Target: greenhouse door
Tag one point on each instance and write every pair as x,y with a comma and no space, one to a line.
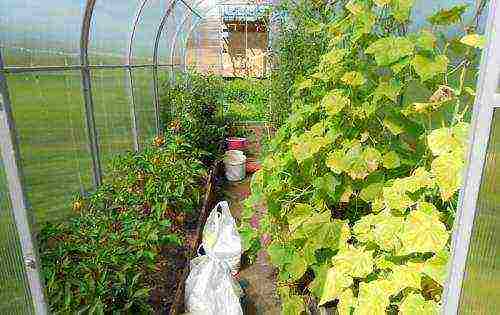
474,281
20,285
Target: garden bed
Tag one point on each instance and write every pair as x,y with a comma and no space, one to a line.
209,201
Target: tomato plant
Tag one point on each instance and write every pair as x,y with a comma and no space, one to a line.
361,181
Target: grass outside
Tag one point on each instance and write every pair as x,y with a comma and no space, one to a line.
50,120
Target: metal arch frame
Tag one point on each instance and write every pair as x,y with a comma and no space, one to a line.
156,63
487,101
87,92
175,38
156,88
10,153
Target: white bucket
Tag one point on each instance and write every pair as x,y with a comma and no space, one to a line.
235,164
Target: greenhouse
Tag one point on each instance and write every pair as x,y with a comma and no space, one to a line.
212,157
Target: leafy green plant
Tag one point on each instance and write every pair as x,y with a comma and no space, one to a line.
192,112
126,240
361,181
246,99
296,47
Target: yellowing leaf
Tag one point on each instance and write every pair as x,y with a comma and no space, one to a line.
335,283
353,78
386,230
371,192
337,161
447,169
390,89
301,213
426,40
355,262
390,49
346,195
335,56
427,68
391,160
305,84
373,297
307,145
395,197
382,3
347,302
358,168
334,102
363,228
355,7
448,16
423,233
437,267
297,267
401,9
443,141
393,126
406,277
418,180
415,304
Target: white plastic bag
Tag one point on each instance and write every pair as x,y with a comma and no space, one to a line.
210,287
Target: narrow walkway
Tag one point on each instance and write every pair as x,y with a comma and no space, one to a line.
261,276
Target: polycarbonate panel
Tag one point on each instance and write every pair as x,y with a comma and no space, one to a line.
481,285
111,25
142,46
111,95
143,96
40,33
15,296
49,115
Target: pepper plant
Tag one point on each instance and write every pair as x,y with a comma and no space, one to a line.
122,250
360,184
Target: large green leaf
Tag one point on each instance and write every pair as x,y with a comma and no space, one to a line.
426,40
390,89
292,305
448,16
297,267
402,9
428,68
334,102
300,213
390,49
353,78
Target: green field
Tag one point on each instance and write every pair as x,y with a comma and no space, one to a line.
50,119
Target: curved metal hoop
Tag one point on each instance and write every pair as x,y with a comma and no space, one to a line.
87,92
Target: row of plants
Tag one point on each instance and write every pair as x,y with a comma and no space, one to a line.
123,249
361,181
247,99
